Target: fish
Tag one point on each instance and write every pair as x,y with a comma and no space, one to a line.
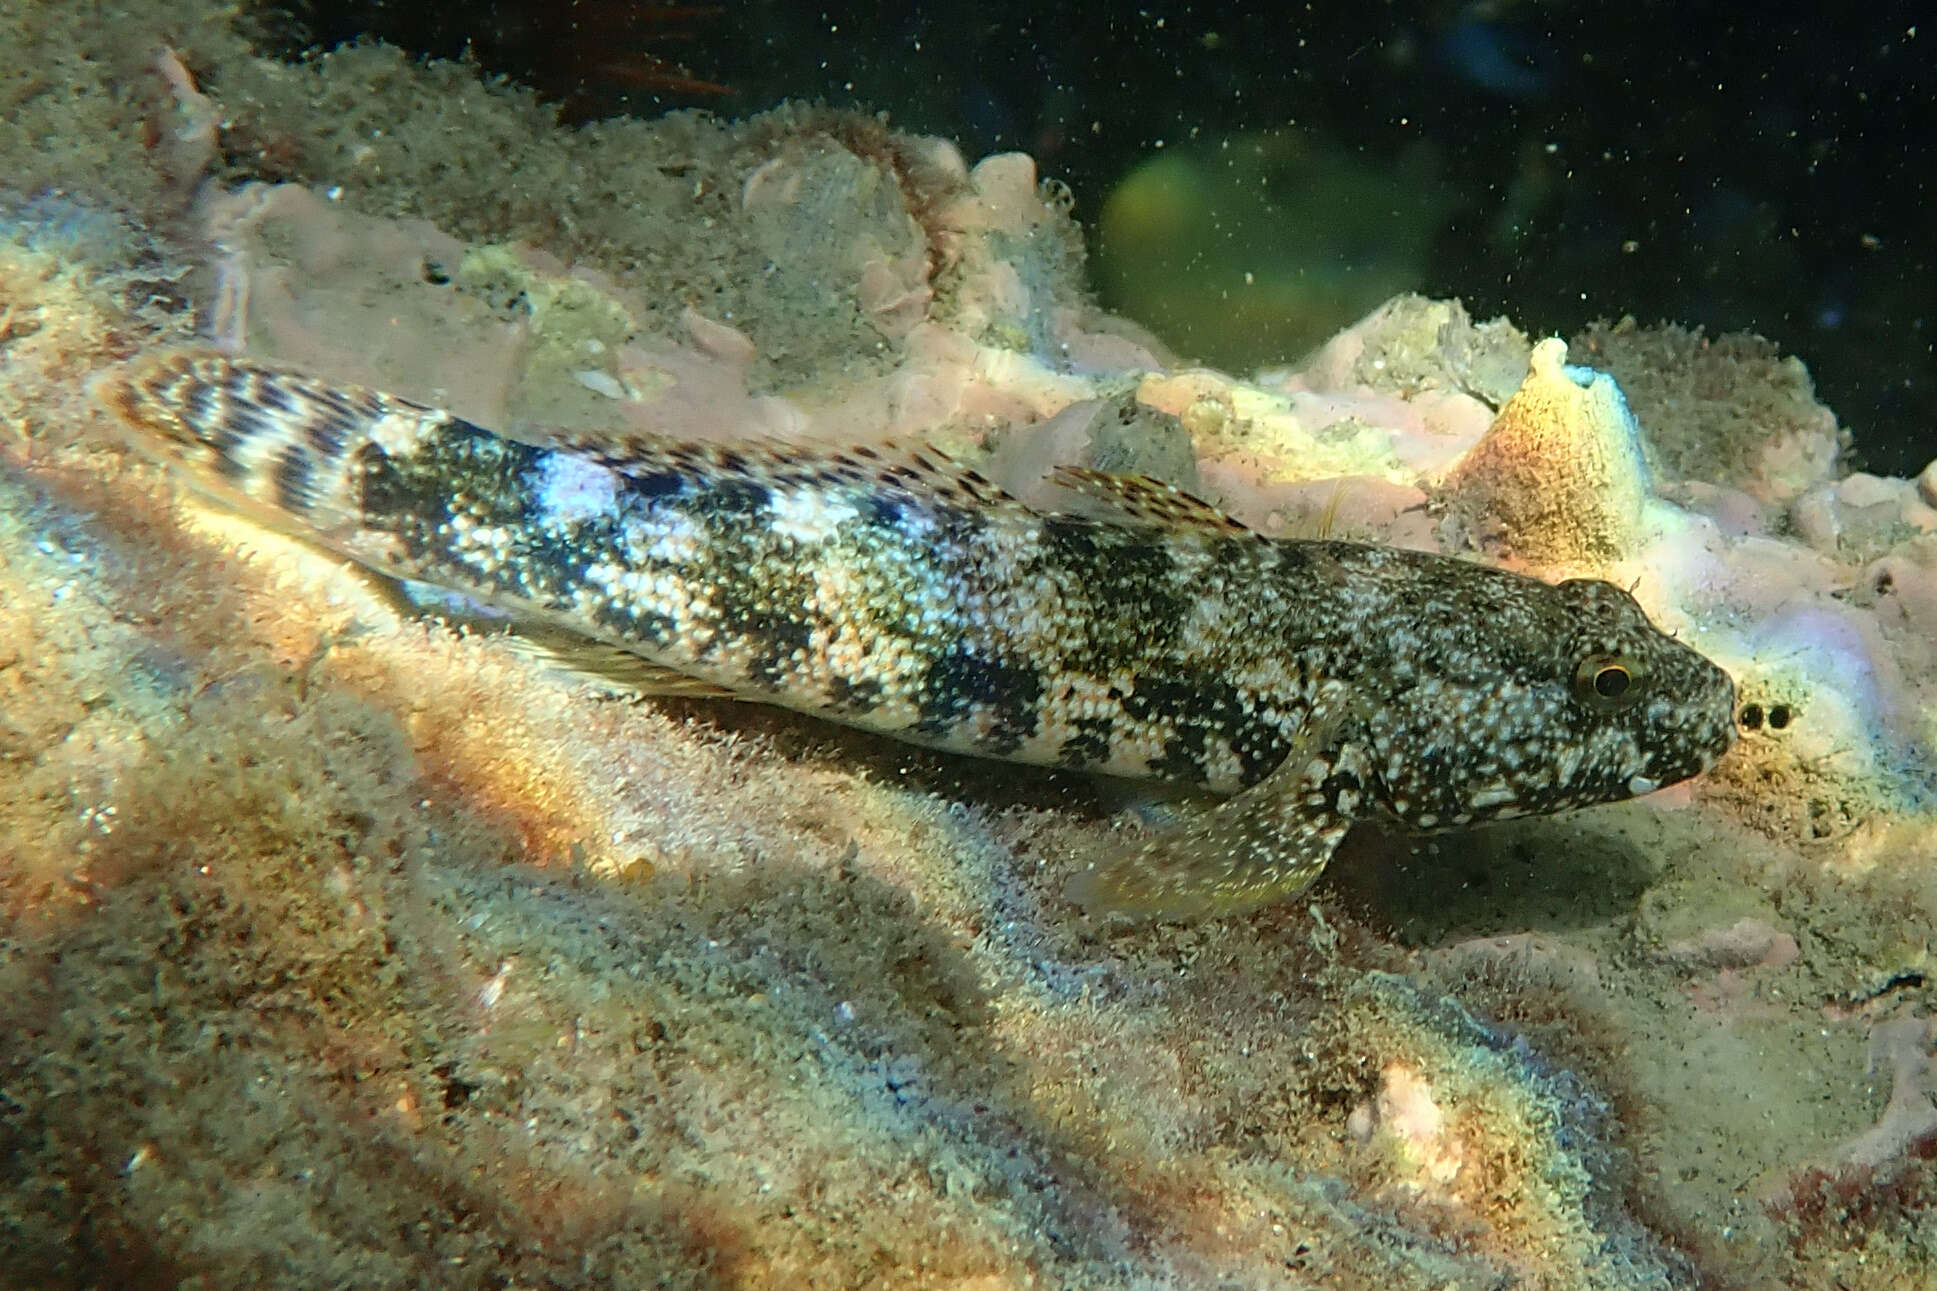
1302,685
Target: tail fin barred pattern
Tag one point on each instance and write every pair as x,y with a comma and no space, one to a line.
269,441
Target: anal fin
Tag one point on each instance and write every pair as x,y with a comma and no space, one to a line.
534,637
1261,845
608,665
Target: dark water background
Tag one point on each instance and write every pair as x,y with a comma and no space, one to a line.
1732,167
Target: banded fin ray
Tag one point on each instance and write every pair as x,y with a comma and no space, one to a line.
897,466
1143,501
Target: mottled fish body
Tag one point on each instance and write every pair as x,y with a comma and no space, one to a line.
1317,682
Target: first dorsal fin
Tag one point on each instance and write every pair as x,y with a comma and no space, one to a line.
1145,501
929,469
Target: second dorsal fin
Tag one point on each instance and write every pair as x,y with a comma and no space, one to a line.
1142,500
911,467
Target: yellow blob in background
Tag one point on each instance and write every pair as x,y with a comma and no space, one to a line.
1256,249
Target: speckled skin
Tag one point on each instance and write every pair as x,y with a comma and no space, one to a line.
1318,681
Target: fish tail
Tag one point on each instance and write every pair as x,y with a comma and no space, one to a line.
260,437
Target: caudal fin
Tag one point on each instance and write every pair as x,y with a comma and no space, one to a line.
269,441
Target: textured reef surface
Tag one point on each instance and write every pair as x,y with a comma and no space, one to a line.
343,946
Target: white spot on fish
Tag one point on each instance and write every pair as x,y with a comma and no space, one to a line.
399,434
807,517
673,537
572,490
1640,784
1490,795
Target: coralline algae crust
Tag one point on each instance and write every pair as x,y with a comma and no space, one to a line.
1560,471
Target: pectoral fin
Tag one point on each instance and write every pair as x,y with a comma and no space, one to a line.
1260,846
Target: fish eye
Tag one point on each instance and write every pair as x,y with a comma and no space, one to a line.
1609,683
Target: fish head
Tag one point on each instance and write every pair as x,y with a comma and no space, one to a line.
1564,696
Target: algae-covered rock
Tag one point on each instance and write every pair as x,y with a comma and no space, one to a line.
342,947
